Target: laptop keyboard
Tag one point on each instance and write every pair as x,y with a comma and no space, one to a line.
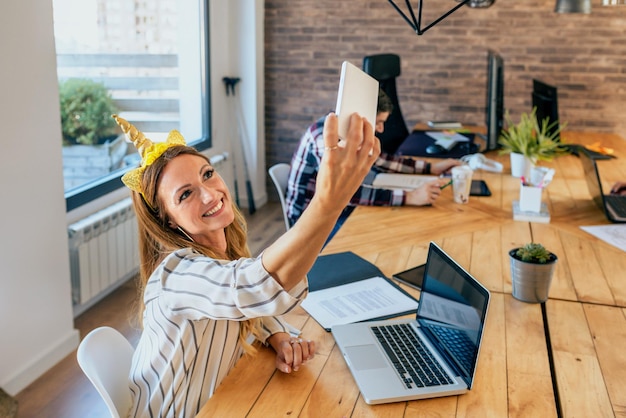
415,365
458,343
617,203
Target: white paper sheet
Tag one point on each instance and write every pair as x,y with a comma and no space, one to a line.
612,234
357,301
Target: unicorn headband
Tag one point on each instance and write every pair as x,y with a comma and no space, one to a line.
148,151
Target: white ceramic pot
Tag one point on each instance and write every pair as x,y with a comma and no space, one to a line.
521,165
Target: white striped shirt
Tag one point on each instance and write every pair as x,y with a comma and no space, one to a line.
190,340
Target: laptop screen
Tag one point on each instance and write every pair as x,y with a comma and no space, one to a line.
452,311
593,179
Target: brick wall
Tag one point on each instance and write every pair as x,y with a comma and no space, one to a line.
444,70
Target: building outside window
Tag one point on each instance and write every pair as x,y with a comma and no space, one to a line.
145,60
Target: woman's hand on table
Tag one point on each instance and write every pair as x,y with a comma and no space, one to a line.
291,352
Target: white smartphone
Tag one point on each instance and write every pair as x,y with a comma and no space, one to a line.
358,92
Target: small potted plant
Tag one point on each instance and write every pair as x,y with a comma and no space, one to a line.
529,141
532,268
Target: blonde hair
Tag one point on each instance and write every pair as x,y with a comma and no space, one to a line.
157,239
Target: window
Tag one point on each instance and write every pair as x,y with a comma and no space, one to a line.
151,61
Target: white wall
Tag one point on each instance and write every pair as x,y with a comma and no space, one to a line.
239,55
36,324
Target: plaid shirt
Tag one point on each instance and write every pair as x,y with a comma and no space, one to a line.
305,165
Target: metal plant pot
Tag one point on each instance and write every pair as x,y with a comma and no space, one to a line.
531,281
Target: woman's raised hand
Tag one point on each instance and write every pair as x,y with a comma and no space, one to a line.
344,165
345,162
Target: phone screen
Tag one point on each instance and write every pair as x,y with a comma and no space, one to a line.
479,188
412,277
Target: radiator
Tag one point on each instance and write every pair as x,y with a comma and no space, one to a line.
104,252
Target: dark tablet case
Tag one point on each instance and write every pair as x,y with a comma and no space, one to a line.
415,145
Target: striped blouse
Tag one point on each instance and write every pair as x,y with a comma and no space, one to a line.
190,340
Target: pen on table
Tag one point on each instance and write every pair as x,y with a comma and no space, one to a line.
445,185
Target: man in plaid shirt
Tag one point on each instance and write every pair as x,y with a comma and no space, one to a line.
306,161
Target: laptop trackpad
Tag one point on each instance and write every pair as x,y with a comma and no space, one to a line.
365,357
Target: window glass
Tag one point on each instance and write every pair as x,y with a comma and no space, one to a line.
146,61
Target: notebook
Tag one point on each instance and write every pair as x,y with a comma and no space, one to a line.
448,326
401,181
614,206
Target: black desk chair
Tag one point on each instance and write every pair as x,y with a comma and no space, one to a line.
385,68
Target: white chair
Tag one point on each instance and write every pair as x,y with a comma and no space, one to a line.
280,174
105,357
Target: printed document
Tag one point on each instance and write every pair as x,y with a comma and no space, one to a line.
612,234
358,301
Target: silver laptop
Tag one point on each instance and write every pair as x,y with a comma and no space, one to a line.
437,351
614,206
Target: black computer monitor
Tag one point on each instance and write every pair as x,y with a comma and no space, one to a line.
495,99
544,98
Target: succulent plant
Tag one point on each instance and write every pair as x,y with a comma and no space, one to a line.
534,253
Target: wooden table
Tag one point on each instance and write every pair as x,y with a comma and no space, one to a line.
561,358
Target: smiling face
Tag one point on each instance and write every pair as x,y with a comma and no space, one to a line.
196,199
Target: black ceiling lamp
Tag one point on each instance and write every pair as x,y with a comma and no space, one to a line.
416,22
573,6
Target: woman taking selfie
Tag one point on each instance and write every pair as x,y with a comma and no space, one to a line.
203,297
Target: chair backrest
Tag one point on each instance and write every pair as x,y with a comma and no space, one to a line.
105,356
386,68
279,174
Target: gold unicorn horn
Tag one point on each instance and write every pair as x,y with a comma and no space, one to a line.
148,151
134,135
